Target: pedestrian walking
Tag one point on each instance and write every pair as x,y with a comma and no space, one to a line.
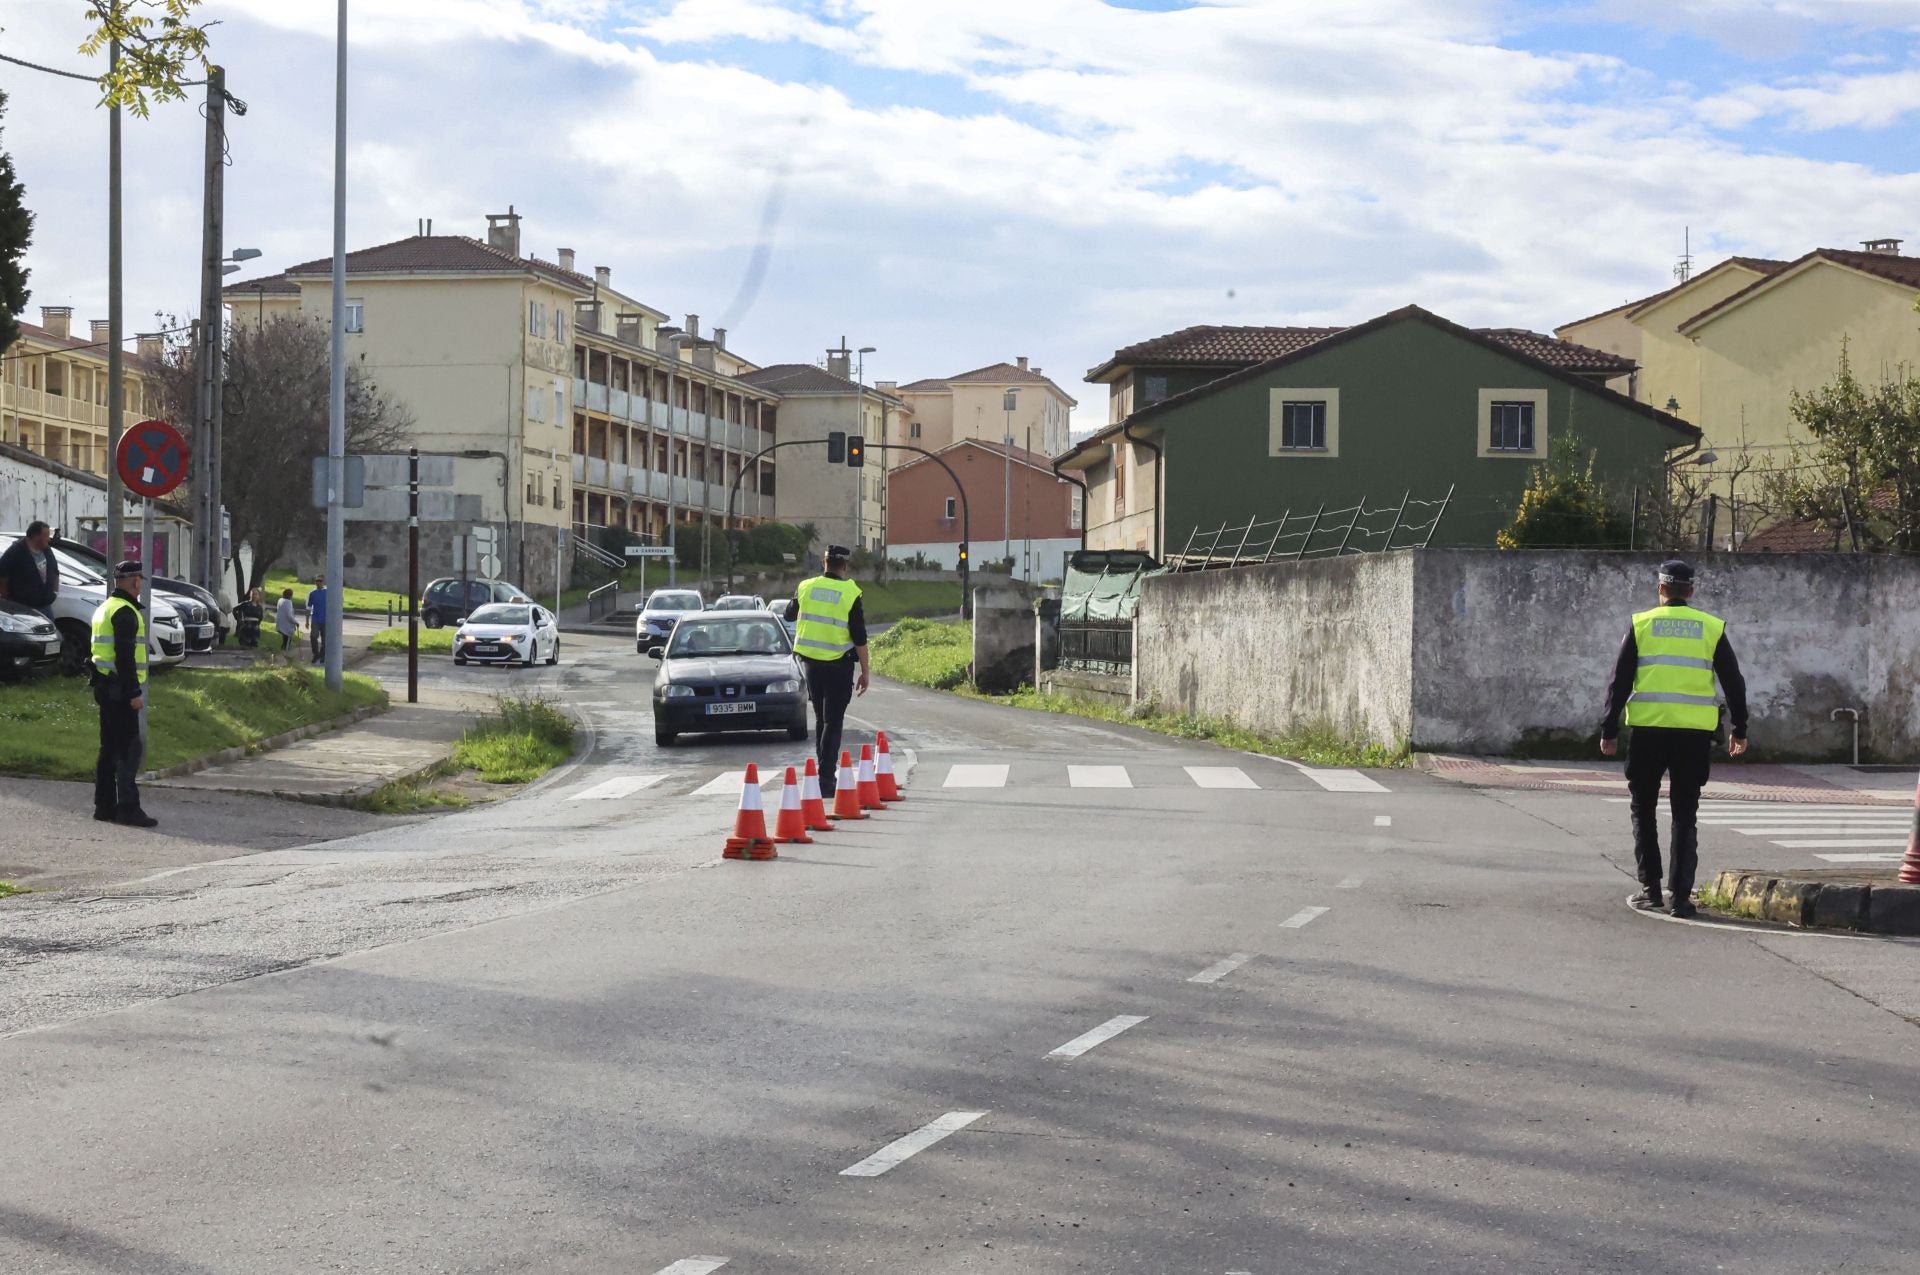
284,621
247,618
120,689
1663,684
28,573
830,636
317,619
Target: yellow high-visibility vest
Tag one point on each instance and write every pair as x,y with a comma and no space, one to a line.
1673,685
826,606
103,657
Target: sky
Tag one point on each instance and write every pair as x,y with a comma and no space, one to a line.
959,182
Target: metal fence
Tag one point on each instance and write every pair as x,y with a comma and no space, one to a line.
1324,533
1096,647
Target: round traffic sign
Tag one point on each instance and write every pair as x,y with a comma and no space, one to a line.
152,459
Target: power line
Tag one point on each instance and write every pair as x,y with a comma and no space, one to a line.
235,104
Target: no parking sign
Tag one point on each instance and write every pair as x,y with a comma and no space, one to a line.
152,459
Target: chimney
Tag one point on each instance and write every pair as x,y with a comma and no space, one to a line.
57,319
151,345
720,337
1883,247
102,329
886,387
693,326
503,231
603,275
840,363
629,327
1023,362
566,258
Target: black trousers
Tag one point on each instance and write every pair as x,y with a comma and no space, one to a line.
830,688
121,752
1685,758
317,640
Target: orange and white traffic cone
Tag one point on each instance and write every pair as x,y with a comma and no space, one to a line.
868,784
813,807
846,791
792,824
1910,866
750,839
883,773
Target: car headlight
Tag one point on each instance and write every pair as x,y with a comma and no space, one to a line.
11,623
784,688
671,691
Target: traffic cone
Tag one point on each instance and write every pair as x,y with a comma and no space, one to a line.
846,791
868,784
883,773
1910,866
792,824
813,807
750,839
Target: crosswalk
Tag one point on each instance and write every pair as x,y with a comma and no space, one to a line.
1833,833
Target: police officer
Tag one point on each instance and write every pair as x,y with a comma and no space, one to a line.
830,635
120,689
1663,680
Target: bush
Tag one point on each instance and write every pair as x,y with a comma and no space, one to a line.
520,741
932,653
1564,506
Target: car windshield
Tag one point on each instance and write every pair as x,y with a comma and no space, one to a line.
674,602
500,615
701,638
77,571
736,603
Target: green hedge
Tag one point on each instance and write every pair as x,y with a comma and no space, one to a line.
933,653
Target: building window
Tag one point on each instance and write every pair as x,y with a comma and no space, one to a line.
534,400
1510,428
913,430
559,404
536,319
950,510
560,325
1073,508
1152,390
1303,427
356,315
556,493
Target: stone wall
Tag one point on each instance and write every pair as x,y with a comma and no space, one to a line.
1002,636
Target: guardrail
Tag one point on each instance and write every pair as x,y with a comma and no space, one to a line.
603,601
1099,648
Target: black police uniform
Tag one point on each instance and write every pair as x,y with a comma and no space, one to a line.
830,690
116,794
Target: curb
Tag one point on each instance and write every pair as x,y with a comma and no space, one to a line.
268,745
1862,907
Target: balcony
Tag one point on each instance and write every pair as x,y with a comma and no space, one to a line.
620,404
765,505
579,469
680,491
579,391
596,396
596,472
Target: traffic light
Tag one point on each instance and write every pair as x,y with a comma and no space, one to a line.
856,451
837,447
963,553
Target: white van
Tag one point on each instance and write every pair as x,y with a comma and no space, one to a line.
82,590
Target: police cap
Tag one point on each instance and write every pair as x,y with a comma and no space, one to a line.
838,553
1674,571
128,570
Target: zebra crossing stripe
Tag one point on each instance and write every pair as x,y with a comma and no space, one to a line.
1343,780
964,776
614,789
1894,857
1219,777
1098,777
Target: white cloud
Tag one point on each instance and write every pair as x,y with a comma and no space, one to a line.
1835,101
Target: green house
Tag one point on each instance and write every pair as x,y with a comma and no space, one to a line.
1408,407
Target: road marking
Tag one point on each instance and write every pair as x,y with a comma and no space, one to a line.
613,789
1220,969
1220,777
902,1149
1894,857
1383,821
1723,806
694,1266
1837,829
1104,1032
731,782
1351,883
1845,843
976,777
1302,917
1344,781
1098,777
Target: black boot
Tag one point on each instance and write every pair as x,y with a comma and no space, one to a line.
1648,900
134,817
103,813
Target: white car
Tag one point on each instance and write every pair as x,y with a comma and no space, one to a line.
507,633
82,590
737,602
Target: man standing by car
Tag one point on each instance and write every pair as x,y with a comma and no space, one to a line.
1663,680
317,619
120,689
28,573
830,635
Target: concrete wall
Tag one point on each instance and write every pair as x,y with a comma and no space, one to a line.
1284,647
1002,636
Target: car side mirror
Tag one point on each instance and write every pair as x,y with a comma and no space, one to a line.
656,653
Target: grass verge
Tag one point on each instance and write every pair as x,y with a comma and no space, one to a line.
50,727
1710,896
931,653
432,641
413,796
9,888
519,742
374,601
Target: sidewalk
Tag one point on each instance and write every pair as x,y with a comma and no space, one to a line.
1732,780
341,765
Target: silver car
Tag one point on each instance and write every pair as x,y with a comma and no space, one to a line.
660,612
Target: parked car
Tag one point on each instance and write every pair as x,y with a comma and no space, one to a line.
503,632
206,622
658,614
82,590
443,603
728,671
779,609
738,602
28,640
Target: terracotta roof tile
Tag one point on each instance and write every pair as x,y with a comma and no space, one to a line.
277,285
443,254
930,385
1210,345
82,345
991,374
804,378
1798,535
1759,265
1892,267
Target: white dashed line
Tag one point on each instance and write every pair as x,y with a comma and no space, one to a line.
1344,781
977,777
1845,843
1220,777
694,1266
902,1149
1351,883
1302,917
726,785
1098,777
614,789
1383,821
1893,856
1104,1032
1220,969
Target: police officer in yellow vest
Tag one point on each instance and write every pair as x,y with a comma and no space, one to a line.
1663,680
830,635
120,688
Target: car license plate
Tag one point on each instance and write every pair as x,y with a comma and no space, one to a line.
486,648
716,710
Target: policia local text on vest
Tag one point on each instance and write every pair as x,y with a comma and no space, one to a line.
120,689
830,636
1663,685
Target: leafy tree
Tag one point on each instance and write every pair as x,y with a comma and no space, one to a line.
1859,465
16,233
159,45
1564,506
275,416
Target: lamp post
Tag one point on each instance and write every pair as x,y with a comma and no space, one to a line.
337,387
674,339
860,427
1008,401
209,562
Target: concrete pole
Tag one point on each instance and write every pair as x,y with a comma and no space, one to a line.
673,508
205,570
337,389
116,390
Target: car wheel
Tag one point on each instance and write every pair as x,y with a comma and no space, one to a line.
664,738
460,659
553,654
797,730
431,618
76,647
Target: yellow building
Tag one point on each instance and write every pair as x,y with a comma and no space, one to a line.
847,506
53,394
942,411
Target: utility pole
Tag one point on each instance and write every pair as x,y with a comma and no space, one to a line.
205,570
116,390
337,389
1006,500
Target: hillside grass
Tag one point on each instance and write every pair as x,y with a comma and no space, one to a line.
521,740
432,641
365,601
930,653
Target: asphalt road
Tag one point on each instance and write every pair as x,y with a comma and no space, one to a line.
1096,1011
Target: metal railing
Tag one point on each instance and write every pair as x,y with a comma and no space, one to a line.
603,601
1096,647
1325,533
